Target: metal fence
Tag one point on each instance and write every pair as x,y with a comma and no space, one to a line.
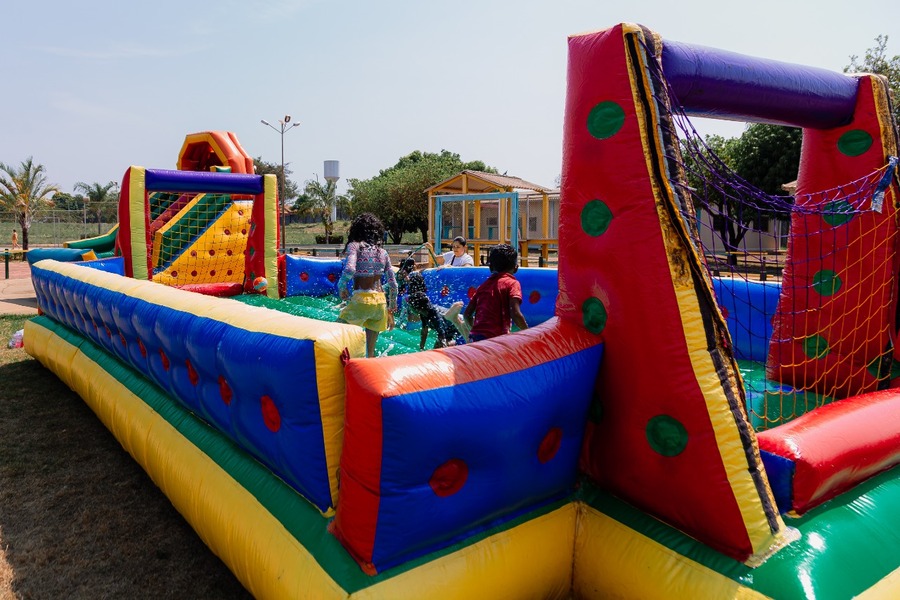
53,227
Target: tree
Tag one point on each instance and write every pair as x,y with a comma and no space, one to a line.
320,199
877,61
291,189
98,196
765,156
24,191
397,195
68,202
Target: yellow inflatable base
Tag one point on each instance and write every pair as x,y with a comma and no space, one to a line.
530,560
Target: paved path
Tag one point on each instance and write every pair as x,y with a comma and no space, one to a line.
16,293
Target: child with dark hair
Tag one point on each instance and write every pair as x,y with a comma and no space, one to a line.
407,266
445,322
367,264
498,301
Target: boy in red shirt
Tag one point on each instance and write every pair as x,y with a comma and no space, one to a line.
497,301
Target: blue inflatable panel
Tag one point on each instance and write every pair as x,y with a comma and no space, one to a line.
232,377
458,284
749,307
114,264
311,276
61,254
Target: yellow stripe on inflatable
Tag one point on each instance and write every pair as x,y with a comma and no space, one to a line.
250,318
885,589
137,215
270,185
531,560
728,438
332,397
534,557
261,553
615,561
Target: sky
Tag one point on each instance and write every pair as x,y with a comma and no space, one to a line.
92,87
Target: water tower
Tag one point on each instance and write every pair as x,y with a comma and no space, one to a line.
332,174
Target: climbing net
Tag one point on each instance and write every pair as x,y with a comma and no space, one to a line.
807,281
198,238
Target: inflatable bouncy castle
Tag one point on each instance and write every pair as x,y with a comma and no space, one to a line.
667,427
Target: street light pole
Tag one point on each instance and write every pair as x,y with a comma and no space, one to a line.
285,126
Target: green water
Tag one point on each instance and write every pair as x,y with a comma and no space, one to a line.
770,403
403,339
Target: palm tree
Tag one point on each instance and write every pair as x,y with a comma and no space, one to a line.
25,192
320,199
98,195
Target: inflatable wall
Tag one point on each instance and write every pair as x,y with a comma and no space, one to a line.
606,452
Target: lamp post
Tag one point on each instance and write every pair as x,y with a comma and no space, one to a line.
285,126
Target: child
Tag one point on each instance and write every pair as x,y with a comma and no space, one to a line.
367,263
440,319
498,300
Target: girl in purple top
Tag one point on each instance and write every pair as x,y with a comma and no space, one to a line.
367,264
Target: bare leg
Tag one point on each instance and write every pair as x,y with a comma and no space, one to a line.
454,317
371,338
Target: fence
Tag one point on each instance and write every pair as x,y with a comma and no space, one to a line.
53,227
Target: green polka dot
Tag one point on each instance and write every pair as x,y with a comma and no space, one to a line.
837,212
884,367
854,142
595,217
594,314
666,435
605,120
815,346
826,283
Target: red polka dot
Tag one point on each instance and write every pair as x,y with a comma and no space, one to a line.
550,445
445,291
212,252
534,297
228,253
449,478
174,273
193,273
228,272
241,213
304,276
192,372
270,414
165,359
212,273
193,253
224,390
227,232
332,277
243,232
471,293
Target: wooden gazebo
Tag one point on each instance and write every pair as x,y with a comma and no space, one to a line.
490,209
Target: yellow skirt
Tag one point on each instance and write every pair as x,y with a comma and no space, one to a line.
366,308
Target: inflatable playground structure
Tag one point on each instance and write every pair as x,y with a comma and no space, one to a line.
656,432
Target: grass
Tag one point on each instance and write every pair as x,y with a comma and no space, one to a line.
78,517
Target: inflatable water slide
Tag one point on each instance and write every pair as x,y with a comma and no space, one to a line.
607,451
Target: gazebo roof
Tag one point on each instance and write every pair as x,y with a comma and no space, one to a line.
479,182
